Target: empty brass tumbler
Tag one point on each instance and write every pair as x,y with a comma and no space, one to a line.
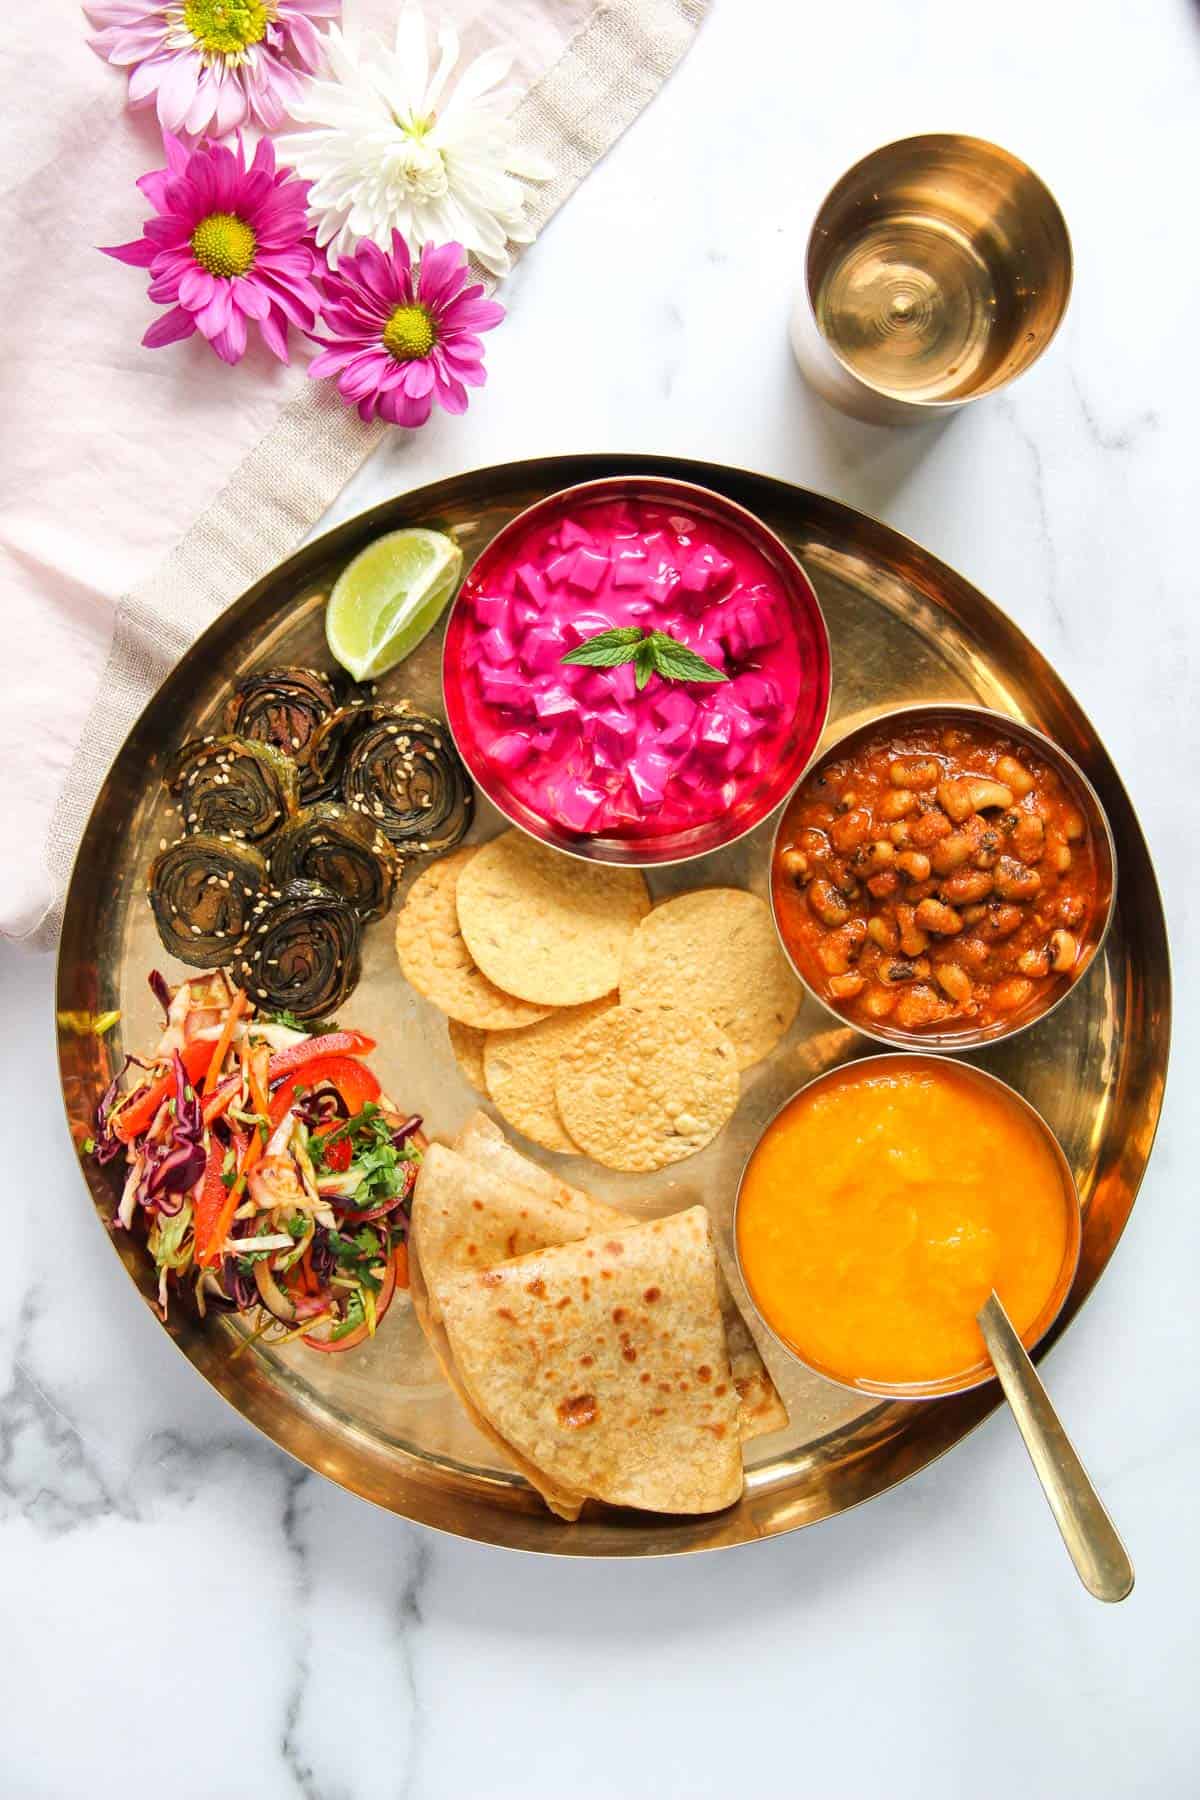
938,268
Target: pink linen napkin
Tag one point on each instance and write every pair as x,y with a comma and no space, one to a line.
111,451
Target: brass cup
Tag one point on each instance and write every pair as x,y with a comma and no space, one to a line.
938,268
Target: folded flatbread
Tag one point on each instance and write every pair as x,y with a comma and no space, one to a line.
481,1141
602,1364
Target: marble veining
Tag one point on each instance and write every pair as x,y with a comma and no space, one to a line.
188,1612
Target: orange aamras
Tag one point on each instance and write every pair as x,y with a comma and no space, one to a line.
882,1207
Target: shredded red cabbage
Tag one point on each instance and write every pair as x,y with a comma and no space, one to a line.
241,1289
173,1168
161,992
403,1132
324,1262
108,1144
320,1107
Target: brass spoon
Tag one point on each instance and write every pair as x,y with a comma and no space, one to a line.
1101,1559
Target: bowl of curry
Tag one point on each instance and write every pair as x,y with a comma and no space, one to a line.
884,1203
942,877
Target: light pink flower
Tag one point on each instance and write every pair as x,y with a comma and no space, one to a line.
212,65
396,345
228,244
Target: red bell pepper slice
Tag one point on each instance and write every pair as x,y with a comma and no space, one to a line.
286,1062
353,1081
133,1119
334,1043
210,1205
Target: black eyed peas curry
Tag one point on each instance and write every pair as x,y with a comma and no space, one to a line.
936,880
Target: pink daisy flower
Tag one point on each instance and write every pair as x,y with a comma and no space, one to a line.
228,244
211,65
398,344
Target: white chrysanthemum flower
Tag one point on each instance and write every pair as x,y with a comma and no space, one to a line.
389,149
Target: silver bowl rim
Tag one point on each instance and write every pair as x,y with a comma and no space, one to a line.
941,1043
756,528
980,1373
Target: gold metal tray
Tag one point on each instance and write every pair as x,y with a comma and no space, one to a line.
904,627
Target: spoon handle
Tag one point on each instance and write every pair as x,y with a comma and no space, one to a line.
1100,1558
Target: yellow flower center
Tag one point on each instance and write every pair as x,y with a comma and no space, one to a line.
223,244
227,27
409,334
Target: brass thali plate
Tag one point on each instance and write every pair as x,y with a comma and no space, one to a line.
380,1420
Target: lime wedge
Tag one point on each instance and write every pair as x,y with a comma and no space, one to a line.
389,598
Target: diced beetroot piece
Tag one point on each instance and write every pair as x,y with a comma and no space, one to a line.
528,581
709,647
757,619
505,687
629,568
471,653
554,702
715,731
696,775
525,614
544,741
733,638
579,805
543,647
510,751
734,757
624,681
746,726
680,525
674,707
649,771
616,733
497,646
675,736
593,685
569,533
587,622
694,577
758,692
493,609
660,587
589,571
560,569
624,806
721,578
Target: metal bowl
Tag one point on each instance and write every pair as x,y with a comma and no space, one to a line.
978,1373
961,1037
807,725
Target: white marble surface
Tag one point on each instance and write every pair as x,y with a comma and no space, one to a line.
189,1613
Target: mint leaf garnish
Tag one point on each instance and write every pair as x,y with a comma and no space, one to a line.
608,649
651,653
676,662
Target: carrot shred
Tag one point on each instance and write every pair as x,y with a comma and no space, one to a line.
237,1007
401,1256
